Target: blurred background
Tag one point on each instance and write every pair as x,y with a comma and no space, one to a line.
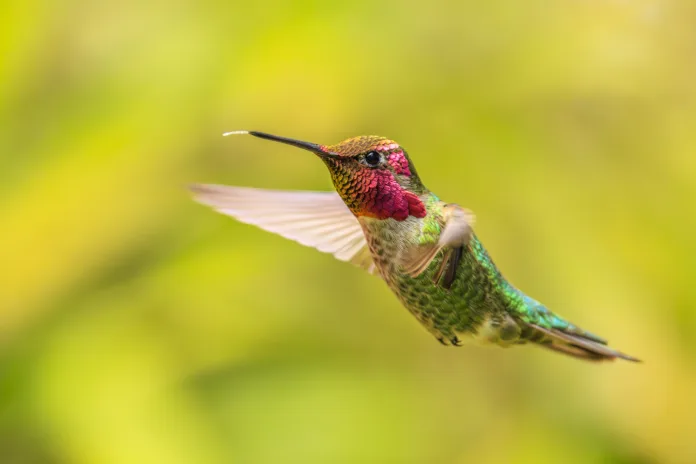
139,327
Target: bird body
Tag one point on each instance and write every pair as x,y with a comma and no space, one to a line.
476,296
385,220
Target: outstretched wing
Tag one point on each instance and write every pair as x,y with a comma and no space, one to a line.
317,219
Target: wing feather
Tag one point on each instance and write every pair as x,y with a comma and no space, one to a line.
317,219
456,232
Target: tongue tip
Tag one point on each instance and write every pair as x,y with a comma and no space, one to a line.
239,132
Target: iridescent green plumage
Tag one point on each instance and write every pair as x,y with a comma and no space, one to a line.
387,221
480,302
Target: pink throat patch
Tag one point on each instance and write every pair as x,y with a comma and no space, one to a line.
383,198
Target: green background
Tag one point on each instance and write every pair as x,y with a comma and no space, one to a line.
139,327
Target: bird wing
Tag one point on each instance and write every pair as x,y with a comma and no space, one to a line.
457,231
317,219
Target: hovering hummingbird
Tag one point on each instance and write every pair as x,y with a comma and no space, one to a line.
385,220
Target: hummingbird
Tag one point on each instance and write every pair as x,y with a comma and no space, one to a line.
383,219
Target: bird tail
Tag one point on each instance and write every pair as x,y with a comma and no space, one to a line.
582,347
546,329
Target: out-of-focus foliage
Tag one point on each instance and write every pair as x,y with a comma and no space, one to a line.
139,327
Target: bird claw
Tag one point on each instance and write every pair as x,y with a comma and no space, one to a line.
454,341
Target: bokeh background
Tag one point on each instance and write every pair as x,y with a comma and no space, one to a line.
139,327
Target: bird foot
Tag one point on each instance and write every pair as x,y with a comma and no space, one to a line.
454,341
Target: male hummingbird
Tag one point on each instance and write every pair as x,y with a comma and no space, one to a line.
385,220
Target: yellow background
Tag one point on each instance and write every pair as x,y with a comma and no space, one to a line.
139,327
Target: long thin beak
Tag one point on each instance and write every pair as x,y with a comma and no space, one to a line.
313,147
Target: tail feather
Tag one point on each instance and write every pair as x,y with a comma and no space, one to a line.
576,345
575,352
547,329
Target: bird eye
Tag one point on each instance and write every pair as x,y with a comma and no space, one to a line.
373,159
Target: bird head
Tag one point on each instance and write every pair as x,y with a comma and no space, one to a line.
373,175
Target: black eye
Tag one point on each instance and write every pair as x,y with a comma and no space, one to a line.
373,159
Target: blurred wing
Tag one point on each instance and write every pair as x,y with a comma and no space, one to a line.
317,219
458,228
456,232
